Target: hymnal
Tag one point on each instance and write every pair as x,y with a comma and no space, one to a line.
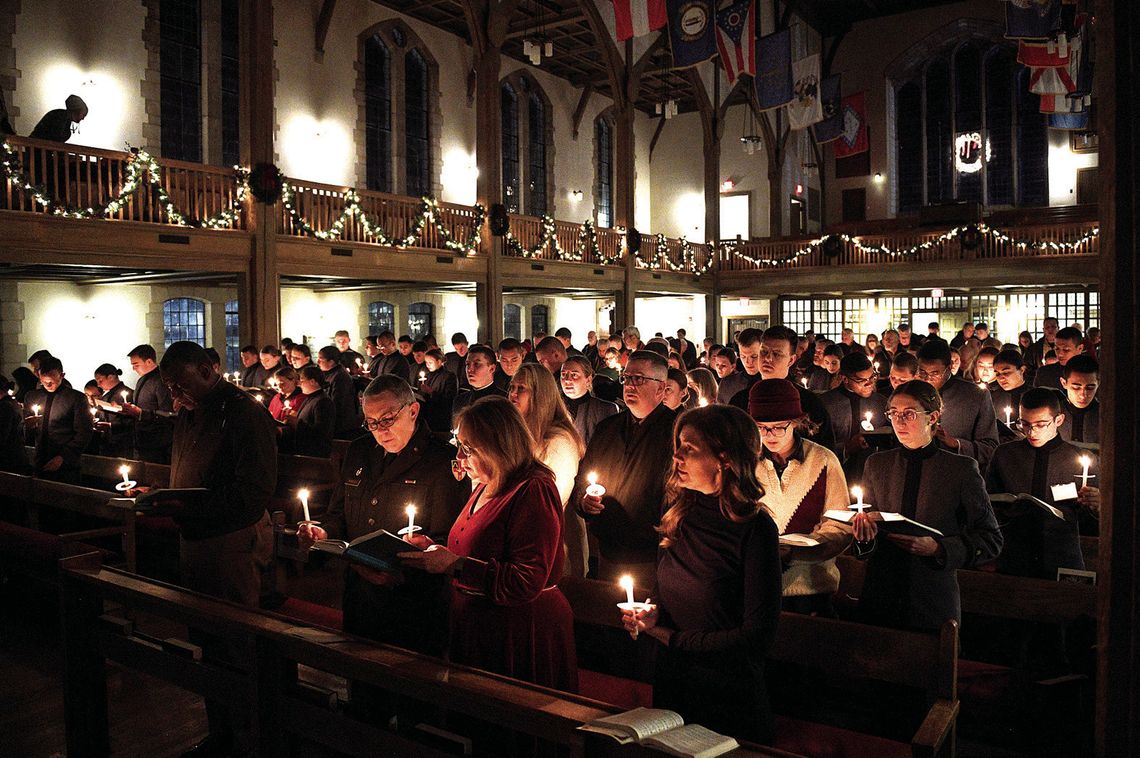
891,523
798,540
375,550
663,730
1022,497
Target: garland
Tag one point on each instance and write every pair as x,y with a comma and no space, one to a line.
688,257
429,211
141,169
733,248
587,242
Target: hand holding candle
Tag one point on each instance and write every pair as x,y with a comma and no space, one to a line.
411,528
36,411
703,402
595,489
1008,414
629,606
857,491
423,376
126,484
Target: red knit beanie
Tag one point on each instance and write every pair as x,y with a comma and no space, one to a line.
774,400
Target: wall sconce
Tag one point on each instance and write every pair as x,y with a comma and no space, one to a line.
879,179
576,195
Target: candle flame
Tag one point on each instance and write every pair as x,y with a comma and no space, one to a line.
592,477
35,409
1085,461
867,415
303,495
703,402
124,470
410,510
857,491
626,582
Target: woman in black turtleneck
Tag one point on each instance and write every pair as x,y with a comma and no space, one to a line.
910,581
718,579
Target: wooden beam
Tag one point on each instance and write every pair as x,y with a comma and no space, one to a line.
583,101
829,56
533,27
656,135
323,22
605,42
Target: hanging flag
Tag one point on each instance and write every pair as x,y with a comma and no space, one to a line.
1032,19
692,31
805,108
1081,62
831,101
1063,104
1049,65
853,139
736,38
1073,122
774,70
636,18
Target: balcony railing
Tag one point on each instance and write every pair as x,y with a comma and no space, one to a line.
84,182
546,239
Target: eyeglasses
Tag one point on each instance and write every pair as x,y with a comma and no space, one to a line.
925,375
778,431
636,380
1037,426
571,376
866,382
464,449
384,423
906,416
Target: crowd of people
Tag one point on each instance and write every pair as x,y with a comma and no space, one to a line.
702,471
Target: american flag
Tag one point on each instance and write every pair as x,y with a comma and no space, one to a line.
736,38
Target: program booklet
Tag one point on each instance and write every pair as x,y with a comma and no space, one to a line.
891,523
376,550
663,730
1022,497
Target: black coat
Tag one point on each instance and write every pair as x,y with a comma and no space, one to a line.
393,364
1081,424
968,414
342,391
255,376
846,410
64,430
120,440
13,453
587,412
439,390
312,434
153,432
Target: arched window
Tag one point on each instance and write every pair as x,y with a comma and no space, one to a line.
180,84
510,119
183,318
908,105
939,134
421,318
512,321
417,141
604,170
381,318
231,84
233,336
539,320
1032,146
536,157
377,114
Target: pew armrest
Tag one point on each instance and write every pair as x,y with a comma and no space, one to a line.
936,728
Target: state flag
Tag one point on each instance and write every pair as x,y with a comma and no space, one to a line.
736,38
853,140
692,31
806,108
831,102
636,18
774,70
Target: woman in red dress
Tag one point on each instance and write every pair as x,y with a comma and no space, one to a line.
504,554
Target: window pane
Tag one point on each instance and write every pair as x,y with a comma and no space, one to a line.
181,79
420,320
231,75
796,314
1032,145
510,118
968,111
999,126
233,336
512,321
908,129
536,163
381,318
939,136
539,320
603,142
183,318
417,141
377,115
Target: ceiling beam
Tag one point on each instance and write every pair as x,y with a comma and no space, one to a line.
323,22
149,277
583,101
532,26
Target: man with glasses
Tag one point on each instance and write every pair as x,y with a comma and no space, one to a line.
631,453
1037,543
770,355
1080,379
1068,344
399,463
968,425
479,368
847,406
587,411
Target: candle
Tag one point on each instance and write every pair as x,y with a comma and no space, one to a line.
124,395
35,410
125,471
857,491
703,402
595,489
1008,414
804,382
303,496
867,425
423,376
126,484
411,513
626,583
982,385
1085,461
259,397
288,405
94,412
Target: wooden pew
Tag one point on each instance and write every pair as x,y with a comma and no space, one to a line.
268,683
844,651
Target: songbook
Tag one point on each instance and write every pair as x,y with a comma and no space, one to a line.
891,523
164,502
664,730
1086,445
103,405
798,540
1024,497
376,550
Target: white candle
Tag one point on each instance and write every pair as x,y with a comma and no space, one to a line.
288,406
94,412
1085,461
124,395
423,376
703,402
867,425
857,491
35,410
804,382
411,512
125,471
303,496
595,489
626,583
1008,414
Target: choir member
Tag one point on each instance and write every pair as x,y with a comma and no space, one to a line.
825,376
152,409
702,384
718,579
552,354
301,355
271,360
349,358
252,372
504,555
479,366
911,581
630,454
586,410
119,442
387,359
1035,355
13,453
852,407
1080,379
801,480
731,380
223,442
902,369
404,346
438,386
311,426
289,391
1068,343
984,367
677,396
456,359
510,354
967,422
1010,384
963,335
1036,543
342,391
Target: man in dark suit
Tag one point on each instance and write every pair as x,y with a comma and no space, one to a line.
387,358
152,409
341,390
64,425
968,424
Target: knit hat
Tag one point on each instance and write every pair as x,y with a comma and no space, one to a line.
774,400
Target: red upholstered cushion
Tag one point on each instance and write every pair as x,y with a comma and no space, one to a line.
822,741
625,693
311,613
982,686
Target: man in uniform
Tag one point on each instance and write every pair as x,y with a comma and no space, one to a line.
64,425
152,408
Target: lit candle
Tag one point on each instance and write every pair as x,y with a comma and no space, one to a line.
982,385
1008,414
35,410
303,496
596,490
804,382
626,583
411,513
867,425
288,405
126,484
94,412
125,471
11,393
857,491
703,402
1085,461
259,397
423,376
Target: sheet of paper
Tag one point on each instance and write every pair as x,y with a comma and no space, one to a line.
1067,491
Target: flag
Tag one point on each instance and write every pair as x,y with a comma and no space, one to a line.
1063,104
1049,65
736,38
805,108
774,70
831,100
1073,122
1032,19
853,139
1081,59
636,18
692,31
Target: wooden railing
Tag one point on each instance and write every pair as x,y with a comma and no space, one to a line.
84,180
529,233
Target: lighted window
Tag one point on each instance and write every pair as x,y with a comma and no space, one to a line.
381,318
603,144
512,321
233,336
539,320
421,320
180,82
183,318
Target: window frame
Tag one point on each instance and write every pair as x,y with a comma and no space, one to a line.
422,313
381,318
183,318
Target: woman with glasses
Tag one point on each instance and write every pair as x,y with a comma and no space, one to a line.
911,581
504,555
577,378
801,480
309,430
718,578
559,447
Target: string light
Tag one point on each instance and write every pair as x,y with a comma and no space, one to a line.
587,243
688,263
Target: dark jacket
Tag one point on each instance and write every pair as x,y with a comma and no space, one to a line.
846,410
120,440
313,433
255,376
468,397
65,429
1081,424
153,432
457,365
54,126
349,359
439,398
968,414
227,445
13,453
393,364
342,391
587,412
1049,376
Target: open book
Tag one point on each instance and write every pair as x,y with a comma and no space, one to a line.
798,540
103,405
376,550
1022,497
890,523
663,730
